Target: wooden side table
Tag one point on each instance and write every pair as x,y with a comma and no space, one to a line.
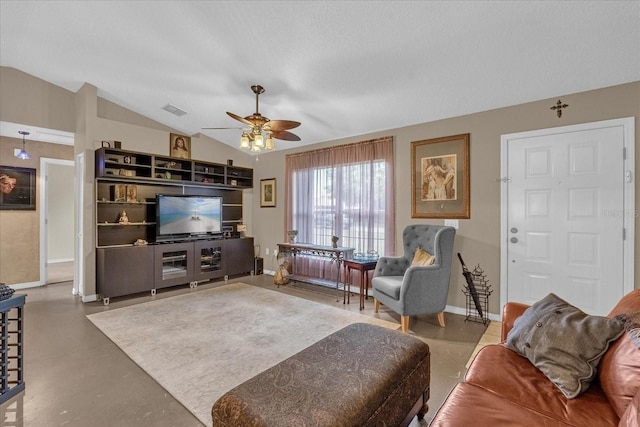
363,266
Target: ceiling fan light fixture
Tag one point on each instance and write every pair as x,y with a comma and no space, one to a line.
258,140
259,131
269,145
244,141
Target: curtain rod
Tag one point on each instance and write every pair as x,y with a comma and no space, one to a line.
320,150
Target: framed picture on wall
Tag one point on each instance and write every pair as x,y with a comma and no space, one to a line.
440,178
268,193
17,188
179,146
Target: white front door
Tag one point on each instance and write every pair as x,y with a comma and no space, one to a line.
565,215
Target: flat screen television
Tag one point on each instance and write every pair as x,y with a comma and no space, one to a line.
180,217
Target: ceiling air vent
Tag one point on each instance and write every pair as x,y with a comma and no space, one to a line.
174,110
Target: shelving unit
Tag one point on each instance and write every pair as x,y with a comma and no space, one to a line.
113,162
127,183
11,349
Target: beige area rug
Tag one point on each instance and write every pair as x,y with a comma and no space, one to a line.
202,344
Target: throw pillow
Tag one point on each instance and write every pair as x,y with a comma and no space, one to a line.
563,342
422,258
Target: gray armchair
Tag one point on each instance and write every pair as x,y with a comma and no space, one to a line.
416,290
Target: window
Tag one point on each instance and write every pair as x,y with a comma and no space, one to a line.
346,191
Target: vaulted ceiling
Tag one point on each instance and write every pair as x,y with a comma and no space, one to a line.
340,68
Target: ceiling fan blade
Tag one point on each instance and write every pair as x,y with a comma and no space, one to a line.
226,128
277,125
240,119
285,135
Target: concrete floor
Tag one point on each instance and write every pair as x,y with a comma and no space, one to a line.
75,376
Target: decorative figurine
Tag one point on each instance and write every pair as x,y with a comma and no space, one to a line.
124,219
334,241
292,236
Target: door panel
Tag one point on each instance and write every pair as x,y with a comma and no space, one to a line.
559,238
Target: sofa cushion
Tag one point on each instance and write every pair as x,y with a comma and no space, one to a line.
631,417
619,369
565,343
422,258
504,372
470,405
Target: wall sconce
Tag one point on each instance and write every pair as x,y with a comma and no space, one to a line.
23,154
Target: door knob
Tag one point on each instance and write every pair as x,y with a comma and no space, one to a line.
514,230
514,240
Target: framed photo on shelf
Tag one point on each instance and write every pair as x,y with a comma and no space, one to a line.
268,193
440,181
132,193
119,193
17,188
179,146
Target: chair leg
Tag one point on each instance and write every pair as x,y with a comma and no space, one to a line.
376,305
441,318
404,322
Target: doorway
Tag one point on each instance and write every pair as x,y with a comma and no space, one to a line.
57,221
568,213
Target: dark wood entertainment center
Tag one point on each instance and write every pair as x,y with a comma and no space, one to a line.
128,181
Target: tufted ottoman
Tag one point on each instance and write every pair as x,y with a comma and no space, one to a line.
361,375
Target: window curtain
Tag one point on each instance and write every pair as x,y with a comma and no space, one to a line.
345,191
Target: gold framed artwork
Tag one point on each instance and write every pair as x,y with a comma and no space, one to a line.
268,193
179,146
440,181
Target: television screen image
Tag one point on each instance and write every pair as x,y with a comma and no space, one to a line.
188,215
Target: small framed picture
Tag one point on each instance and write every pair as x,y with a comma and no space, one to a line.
132,193
268,193
127,159
180,146
119,193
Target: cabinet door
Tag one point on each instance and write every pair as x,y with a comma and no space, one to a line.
124,271
173,264
239,256
209,260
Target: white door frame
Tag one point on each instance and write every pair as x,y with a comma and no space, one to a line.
44,192
78,279
629,212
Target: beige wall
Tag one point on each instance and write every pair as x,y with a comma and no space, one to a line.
478,238
27,100
20,230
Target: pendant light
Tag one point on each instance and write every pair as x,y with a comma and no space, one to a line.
23,154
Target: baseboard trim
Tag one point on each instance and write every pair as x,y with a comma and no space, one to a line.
59,260
26,285
89,298
449,308
463,312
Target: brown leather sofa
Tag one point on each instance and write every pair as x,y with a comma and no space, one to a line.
502,388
